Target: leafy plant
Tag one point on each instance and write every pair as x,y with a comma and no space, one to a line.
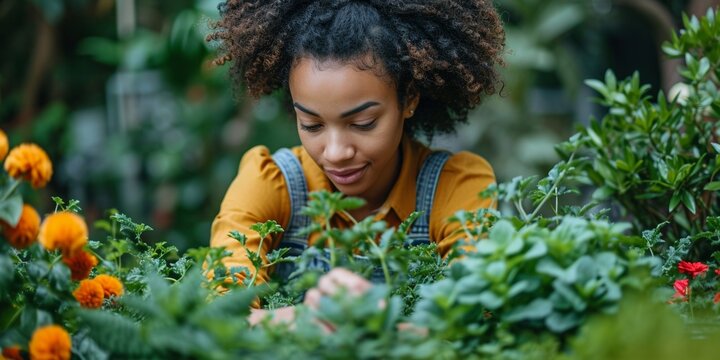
659,160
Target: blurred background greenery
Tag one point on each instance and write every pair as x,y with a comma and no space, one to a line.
123,96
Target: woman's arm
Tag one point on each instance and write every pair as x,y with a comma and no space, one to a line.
257,194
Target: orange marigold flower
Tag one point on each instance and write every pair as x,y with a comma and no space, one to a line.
26,230
4,145
110,284
66,231
31,163
50,342
89,294
80,264
12,352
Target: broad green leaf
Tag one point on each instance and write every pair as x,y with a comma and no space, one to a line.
559,322
674,201
537,250
716,146
689,201
502,232
537,309
490,300
496,270
712,186
7,274
11,209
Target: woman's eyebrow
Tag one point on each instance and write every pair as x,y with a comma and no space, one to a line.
343,115
359,108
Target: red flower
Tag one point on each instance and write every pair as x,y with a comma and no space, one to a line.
692,268
717,271
681,288
716,299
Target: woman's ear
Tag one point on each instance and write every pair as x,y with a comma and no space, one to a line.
412,99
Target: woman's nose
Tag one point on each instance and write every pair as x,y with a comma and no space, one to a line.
338,149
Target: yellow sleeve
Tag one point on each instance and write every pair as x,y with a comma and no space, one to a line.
464,176
257,194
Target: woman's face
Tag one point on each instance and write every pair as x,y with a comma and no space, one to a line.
351,124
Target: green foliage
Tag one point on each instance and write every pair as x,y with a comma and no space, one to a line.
551,280
11,200
533,280
658,160
72,205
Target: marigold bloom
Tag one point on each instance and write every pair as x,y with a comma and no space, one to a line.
11,352
26,230
89,294
80,264
716,299
110,284
50,342
66,231
31,163
692,268
681,288
4,145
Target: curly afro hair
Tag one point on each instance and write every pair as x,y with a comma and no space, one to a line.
445,51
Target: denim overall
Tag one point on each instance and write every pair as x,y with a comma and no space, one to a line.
297,187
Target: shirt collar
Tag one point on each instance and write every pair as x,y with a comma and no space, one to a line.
401,198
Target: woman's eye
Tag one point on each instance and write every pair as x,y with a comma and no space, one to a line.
310,128
366,126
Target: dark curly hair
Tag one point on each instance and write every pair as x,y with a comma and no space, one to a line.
446,51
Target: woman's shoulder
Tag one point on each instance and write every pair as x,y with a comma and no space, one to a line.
463,177
259,158
466,162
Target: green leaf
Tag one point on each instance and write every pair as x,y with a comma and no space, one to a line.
490,300
11,209
594,137
537,250
238,236
559,322
502,232
712,186
7,274
674,201
266,228
597,85
118,335
537,309
716,146
689,201
350,203
496,270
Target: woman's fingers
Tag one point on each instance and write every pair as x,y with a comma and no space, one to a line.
312,298
339,278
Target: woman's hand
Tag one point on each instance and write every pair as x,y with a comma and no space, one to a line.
332,282
284,315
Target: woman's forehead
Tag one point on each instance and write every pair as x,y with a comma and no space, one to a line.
336,86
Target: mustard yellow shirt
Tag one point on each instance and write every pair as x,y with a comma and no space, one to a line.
259,193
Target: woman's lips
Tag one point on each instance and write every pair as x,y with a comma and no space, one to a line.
346,177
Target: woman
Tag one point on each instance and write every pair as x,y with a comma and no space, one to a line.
365,78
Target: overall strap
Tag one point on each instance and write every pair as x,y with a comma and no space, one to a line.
425,194
297,188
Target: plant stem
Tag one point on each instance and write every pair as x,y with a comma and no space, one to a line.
13,317
518,206
257,269
547,196
331,241
380,253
